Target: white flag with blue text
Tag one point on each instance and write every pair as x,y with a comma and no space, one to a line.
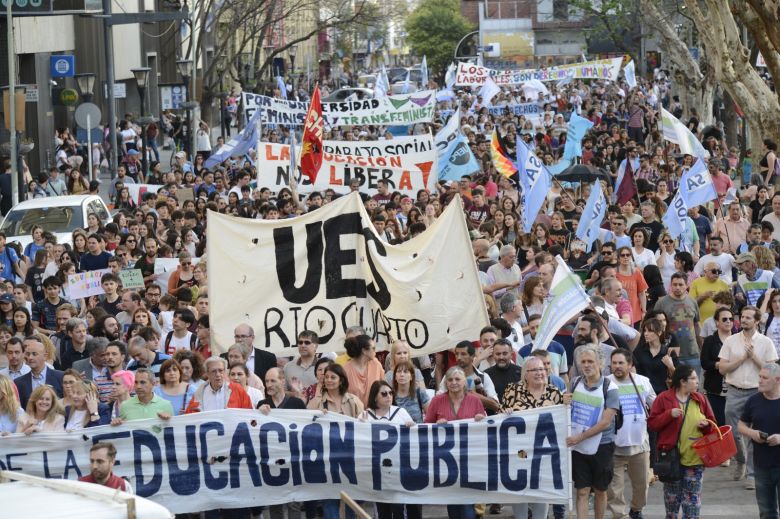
536,181
592,216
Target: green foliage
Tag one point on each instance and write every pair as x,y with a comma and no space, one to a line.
435,27
612,20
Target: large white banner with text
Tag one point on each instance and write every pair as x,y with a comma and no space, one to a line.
239,458
406,163
469,74
328,270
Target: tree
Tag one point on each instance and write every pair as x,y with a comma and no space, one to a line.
230,28
615,20
728,51
694,82
435,27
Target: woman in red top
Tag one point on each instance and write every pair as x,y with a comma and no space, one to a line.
455,404
633,283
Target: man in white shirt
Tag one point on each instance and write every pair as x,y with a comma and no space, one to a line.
741,358
724,260
632,443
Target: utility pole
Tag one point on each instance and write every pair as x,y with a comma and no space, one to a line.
12,101
108,45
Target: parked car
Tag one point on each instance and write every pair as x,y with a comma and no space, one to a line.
60,215
398,84
343,93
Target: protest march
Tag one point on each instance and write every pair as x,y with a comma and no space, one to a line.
536,289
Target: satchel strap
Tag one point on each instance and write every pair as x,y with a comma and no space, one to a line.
683,418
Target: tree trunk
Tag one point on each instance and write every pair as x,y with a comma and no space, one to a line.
731,62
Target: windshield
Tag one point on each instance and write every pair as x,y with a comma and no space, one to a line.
52,219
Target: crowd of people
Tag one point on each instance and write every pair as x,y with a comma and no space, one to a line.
681,336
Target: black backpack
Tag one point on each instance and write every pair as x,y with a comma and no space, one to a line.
605,389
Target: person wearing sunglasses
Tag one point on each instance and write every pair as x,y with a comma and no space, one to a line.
724,260
703,288
301,372
714,385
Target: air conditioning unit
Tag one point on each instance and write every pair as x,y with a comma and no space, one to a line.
492,50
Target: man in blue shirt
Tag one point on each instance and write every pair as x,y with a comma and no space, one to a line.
95,258
9,260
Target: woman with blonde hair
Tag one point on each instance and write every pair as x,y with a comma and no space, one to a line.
400,352
86,410
10,410
44,413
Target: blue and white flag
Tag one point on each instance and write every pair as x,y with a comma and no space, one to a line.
592,216
696,187
536,182
212,15
630,74
281,86
424,73
449,77
406,83
675,216
382,85
568,299
455,158
577,128
238,145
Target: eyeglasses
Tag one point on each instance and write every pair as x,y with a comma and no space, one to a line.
304,342
605,252
715,271
726,319
185,263
668,241
121,255
386,393
625,255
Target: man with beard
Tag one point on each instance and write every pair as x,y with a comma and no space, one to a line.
114,358
632,444
146,263
102,456
106,326
504,371
588,332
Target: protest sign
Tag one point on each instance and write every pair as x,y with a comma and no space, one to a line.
530,110
400,109
137,191
402,145
407,173
327,270
86,284
469,74
131,278
240,458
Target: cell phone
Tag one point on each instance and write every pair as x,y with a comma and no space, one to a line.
763,435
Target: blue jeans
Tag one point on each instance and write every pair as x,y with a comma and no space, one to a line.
461,512
767,492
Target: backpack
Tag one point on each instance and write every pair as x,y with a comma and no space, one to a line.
605,389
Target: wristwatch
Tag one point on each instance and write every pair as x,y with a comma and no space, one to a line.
96,416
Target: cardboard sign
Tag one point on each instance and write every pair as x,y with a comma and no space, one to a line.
86,284
132,278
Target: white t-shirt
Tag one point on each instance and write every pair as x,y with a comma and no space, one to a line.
178,343
633,434
644,259
724,260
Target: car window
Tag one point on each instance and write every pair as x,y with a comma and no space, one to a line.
52,219
99,209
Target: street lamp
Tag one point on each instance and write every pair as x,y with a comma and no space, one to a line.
86,84
291,52
141,78
185,69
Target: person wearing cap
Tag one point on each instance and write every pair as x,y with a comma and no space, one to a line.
752,282
132,162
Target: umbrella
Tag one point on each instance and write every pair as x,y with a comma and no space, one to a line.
583,173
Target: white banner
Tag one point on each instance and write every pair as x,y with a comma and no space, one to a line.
327,270
407,173
239,458
470,74
137,191
396,110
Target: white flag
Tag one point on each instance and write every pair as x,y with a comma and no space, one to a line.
488,91
568,300
675,131
630,74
